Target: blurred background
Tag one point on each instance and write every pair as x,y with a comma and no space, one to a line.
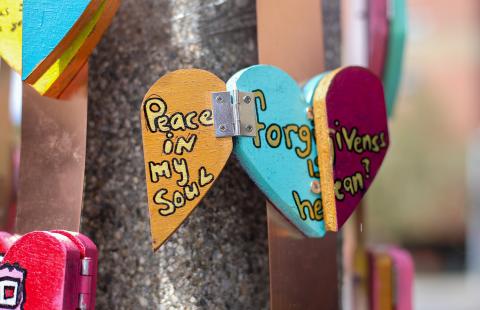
427,195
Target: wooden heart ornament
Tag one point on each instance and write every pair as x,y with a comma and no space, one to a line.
49,270
395,51
183,157
352,137
48,29
58,44
282,158
377,35
11,33
36,266
345,135
403,276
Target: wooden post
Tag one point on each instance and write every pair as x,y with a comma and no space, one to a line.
218,259
6,144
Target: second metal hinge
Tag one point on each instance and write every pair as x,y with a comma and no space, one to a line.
234,114
86,273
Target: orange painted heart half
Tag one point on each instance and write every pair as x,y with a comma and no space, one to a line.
183,157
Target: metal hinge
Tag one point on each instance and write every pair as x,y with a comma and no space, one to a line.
234,114
86,273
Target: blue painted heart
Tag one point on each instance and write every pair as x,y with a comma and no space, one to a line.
282,158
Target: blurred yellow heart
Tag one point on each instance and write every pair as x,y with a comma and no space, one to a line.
11,33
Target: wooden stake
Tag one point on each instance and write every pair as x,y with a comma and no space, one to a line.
303,272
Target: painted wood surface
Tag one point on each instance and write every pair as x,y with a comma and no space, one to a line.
42,270
88,250
360,264
64,69
281,160
352,134
381,280
403,275
396,49
39,263
48,28
377,35
11,33
182,156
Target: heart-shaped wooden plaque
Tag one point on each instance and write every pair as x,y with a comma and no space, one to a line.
281,159
352,134
183,157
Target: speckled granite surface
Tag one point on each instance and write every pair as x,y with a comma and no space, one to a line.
218,259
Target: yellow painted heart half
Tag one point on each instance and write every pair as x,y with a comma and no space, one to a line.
11,33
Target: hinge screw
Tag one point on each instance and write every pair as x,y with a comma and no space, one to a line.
249,128
219,99
315,187
247,99
222,127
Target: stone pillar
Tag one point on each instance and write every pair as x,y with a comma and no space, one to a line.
218,259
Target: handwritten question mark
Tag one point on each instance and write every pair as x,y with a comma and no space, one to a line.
366,165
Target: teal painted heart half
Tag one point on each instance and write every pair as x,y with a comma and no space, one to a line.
282,158
396,49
